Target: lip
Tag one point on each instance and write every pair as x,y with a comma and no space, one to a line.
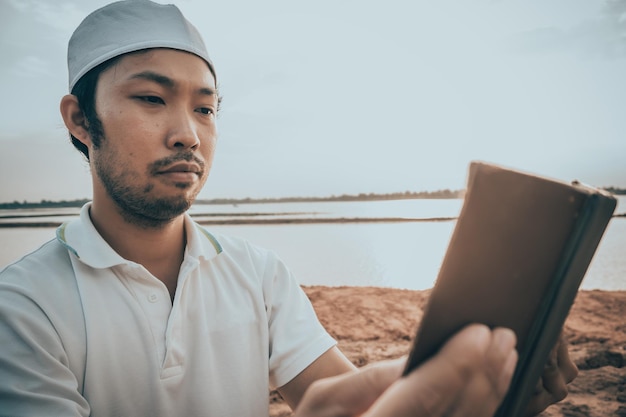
181,173
182,168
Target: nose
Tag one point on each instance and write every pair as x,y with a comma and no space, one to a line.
183,132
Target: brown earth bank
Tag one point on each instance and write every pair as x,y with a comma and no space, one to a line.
373,324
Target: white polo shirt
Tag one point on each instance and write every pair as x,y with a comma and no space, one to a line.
86,332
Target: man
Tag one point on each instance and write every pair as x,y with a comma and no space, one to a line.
136,310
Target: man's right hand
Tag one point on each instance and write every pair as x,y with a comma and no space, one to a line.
468,377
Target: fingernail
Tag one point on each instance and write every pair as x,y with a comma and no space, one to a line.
504,340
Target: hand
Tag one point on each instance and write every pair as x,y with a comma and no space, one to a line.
552,387
468,377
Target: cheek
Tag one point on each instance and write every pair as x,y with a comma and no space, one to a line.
209,152
128,125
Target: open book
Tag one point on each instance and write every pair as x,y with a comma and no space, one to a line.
516,259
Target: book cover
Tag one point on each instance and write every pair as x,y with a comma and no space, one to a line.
516,258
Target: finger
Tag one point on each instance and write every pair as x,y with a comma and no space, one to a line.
351,393
501,359
552,378
491,383
565,363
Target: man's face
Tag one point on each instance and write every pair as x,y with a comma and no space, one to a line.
158,110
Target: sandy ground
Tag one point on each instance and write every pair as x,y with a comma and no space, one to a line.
373,324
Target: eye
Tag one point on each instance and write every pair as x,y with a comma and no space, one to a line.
205,110
151,99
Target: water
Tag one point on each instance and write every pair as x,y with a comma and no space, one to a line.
390,254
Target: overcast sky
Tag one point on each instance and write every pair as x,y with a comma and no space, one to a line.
333,96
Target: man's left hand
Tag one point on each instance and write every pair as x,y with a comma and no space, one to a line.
552,387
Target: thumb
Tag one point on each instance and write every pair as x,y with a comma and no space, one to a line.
349,394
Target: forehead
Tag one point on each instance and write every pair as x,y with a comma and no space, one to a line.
179,66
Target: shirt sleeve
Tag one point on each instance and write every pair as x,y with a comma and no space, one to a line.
35,378
297,338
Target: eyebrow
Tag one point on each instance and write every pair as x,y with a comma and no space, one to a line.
167,82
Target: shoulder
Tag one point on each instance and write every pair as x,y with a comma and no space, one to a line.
38,267
42,282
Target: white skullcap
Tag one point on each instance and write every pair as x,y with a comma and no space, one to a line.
128,26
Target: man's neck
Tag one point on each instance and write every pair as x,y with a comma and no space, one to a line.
159,249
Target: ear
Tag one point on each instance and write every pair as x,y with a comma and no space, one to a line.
74,119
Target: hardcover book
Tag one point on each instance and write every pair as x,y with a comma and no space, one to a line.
516,258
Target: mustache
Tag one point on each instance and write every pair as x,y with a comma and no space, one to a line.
186,156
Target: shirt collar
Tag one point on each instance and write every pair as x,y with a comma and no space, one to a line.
200,243
81,238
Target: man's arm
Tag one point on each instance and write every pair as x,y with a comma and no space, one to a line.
329,364
468,377
35,377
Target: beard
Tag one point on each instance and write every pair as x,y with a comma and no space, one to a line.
136,203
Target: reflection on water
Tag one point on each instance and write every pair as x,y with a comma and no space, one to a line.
388,209
401,255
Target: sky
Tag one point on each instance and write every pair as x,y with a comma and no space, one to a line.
352,96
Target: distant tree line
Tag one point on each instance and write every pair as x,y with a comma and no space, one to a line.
616,191
44,204
406,195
